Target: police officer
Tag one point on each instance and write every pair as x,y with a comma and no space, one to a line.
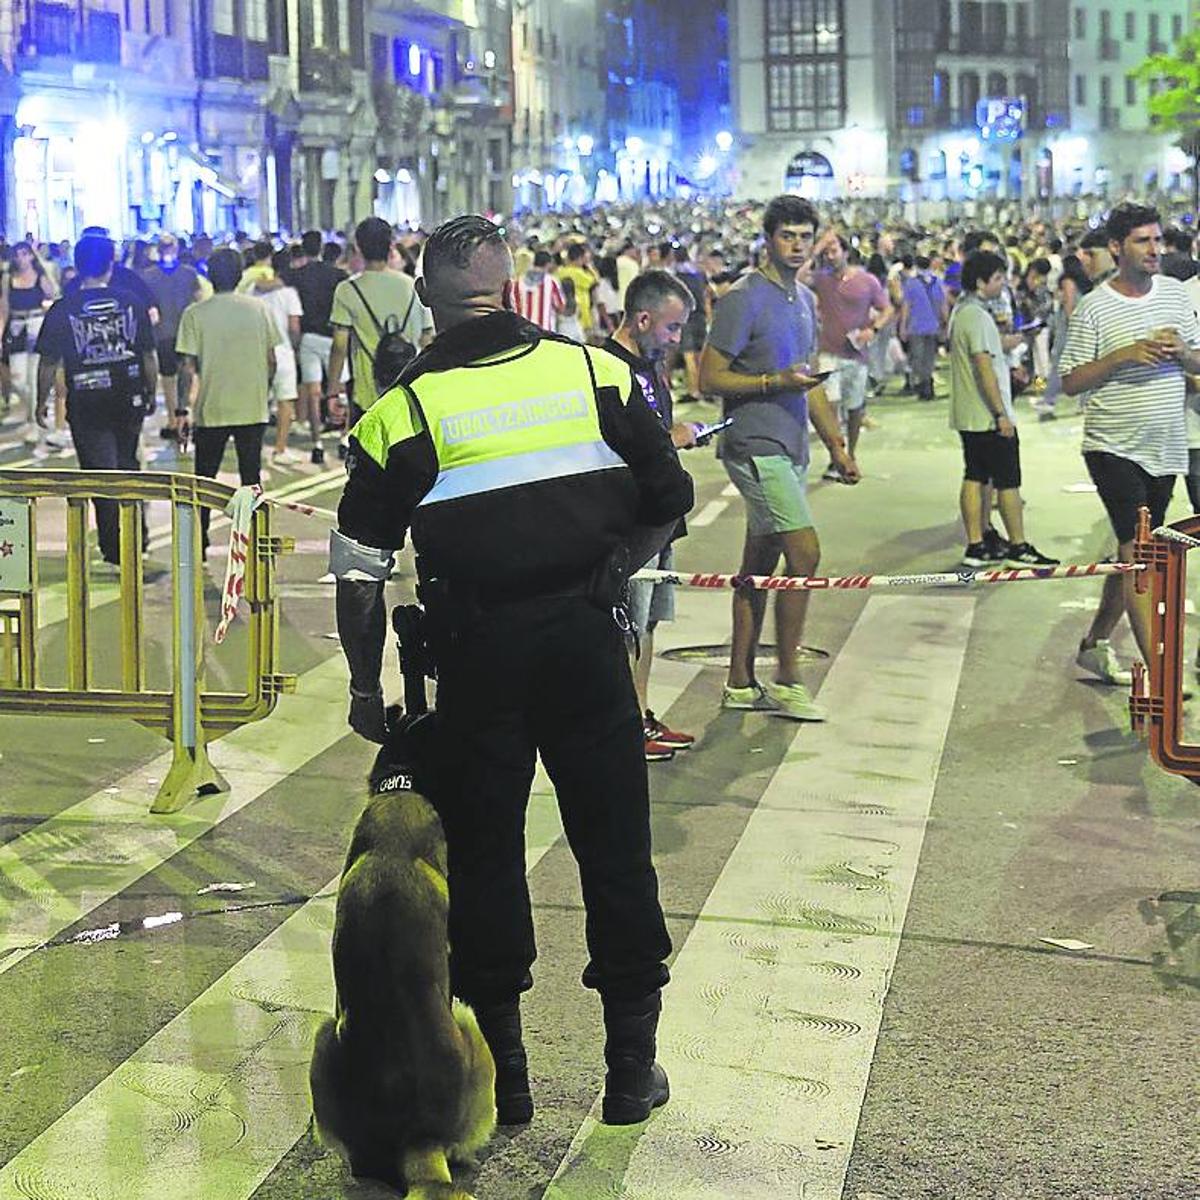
522,462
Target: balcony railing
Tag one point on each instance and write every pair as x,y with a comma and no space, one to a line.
979,43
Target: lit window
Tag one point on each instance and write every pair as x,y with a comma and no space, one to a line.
256,19
222,17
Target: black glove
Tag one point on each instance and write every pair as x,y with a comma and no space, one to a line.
367,715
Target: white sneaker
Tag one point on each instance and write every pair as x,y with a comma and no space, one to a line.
31,435
60,439
1100,660
285,456
793,700
751,699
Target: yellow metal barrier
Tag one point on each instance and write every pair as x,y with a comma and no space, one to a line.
187,715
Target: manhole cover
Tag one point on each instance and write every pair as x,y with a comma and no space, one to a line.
718,656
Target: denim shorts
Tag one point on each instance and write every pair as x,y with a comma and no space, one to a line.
775,491
649,602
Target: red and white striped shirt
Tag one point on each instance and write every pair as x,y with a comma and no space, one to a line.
540,303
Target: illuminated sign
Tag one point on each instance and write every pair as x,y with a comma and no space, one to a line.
1000,119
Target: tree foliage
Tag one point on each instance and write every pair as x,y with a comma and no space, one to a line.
1174,103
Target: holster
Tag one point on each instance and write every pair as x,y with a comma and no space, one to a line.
608,588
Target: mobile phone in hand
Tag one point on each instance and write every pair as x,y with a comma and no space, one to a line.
705,433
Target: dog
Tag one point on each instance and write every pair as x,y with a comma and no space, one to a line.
402,1081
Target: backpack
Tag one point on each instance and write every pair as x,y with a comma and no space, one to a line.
393,351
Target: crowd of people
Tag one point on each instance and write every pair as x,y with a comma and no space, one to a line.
787,315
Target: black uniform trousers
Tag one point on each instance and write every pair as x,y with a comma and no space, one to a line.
548,675
211,441
112,446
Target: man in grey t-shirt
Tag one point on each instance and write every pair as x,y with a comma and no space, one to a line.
981,410
762,336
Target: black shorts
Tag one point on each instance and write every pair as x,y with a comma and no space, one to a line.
1124,487
990,458
168,360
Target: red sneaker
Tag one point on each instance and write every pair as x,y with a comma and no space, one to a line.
658,751
659,732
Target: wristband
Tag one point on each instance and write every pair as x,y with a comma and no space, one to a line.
181,412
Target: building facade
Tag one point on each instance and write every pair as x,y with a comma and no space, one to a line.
222,115
558,102
441,86
1112,147
947,100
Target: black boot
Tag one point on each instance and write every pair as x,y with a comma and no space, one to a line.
501,1028
635,1084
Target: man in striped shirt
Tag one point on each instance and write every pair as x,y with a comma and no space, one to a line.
537,295
1130,344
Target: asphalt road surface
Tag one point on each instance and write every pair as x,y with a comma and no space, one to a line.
864,1003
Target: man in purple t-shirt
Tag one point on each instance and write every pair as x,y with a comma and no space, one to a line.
854,308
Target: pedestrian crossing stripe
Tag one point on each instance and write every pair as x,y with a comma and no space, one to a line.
776,999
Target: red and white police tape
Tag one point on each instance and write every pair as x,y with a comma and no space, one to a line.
965,578
247,499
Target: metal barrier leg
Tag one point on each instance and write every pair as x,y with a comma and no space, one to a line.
191,773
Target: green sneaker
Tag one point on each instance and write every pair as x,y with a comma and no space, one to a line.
793,700
753,698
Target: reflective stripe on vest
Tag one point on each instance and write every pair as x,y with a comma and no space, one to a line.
516,421
473,478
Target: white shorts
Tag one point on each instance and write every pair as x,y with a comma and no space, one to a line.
283,386
315,349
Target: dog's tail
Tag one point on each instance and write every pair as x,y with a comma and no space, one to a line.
479,1092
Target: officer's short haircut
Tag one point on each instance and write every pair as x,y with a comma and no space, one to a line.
979,268
93,255
312,241
576,251
923,263
1127,217
260,251
789,210
543,258
650,290
373,237
224,270
454,242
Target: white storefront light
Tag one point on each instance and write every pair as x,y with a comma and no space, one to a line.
724,141
404,176
382,176
586,144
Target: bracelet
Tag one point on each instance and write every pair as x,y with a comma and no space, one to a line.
377,694
181,412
